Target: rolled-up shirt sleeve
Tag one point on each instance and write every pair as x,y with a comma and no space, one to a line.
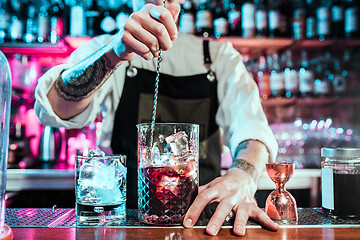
43,107
240,112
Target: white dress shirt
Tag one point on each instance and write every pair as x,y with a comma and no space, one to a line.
240,114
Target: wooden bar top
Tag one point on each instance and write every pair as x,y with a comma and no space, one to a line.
327,233
44,223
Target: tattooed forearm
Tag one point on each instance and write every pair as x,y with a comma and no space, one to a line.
83,82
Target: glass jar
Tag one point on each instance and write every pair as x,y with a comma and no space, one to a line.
340,181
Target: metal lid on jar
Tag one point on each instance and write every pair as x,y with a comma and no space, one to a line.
340,152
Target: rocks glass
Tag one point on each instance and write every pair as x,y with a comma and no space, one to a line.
100,189
168,183
280,204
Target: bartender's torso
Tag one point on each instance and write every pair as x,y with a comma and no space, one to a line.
186,98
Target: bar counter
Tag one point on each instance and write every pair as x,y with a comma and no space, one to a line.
61,224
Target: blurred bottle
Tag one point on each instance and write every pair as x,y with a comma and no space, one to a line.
352,30
324,77
4,20
234,18
306,77
340,79
263,77
323,18
221,27
16,24
108,22
347,72
299,20
337,17
123,15
31,27
5,101
204,20
261,18
311,25
277,81
77,19
248,19
274,19
285,18
92,15
187,18
291,77
57,20
43,30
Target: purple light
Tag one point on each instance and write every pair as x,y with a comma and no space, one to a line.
349,131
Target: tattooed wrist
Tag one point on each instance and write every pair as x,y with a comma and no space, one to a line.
246,167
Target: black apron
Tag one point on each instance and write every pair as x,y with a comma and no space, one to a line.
188,99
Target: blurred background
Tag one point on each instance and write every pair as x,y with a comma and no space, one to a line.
303,54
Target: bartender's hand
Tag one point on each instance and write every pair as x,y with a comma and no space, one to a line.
234,192
148,30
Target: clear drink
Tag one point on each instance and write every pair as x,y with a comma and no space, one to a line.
100,189
167,173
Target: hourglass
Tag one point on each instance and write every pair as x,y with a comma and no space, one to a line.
280,204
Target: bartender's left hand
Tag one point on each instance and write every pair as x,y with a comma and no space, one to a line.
234,192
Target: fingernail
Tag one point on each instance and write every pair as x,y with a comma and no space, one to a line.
239,229
188,223
212,229
174,37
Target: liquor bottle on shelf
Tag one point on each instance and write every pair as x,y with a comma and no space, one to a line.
263,78
324,77
347,71
16,27
291,77
277,82
108,23
311,25
352,28
323,20
306,77
30,32
92,15
77,19
274,19
248,19
187,17
4,20
299,20
261,18
57,21
220,21
285,17
123,15
43,30
339,82
337,17
204,20
234,18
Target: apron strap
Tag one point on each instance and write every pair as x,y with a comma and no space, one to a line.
207,61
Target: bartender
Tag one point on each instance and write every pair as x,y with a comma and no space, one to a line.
200,82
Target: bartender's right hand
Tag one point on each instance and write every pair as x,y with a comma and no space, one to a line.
147,30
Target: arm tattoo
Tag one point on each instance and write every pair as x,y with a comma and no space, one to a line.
243,164
246,167
83,82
